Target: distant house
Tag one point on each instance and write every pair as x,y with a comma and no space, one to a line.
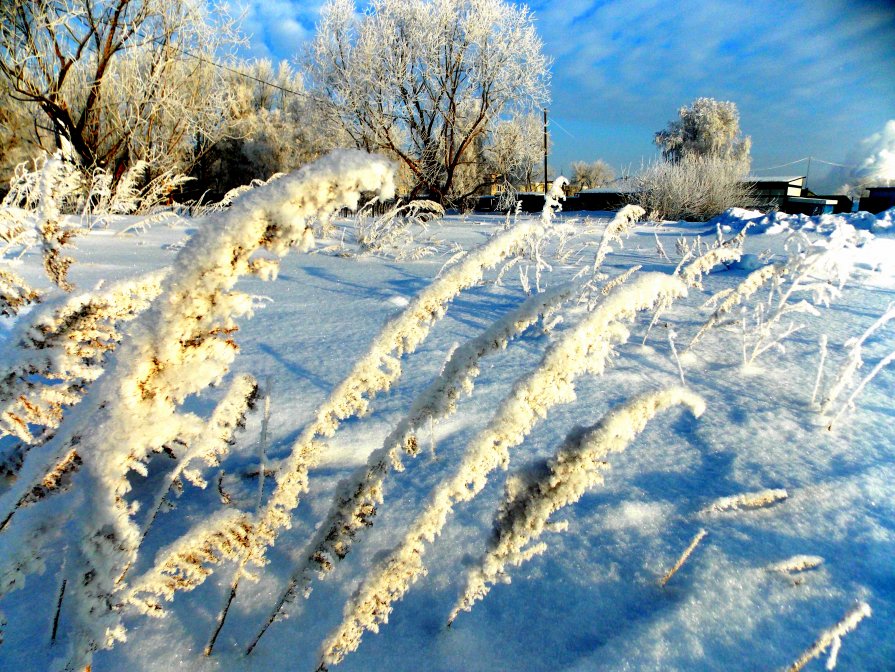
771,193
788,194
602,198
843,202
612,196
531,196
535,187
806,205
879,200
532,201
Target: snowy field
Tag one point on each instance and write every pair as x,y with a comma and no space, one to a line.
590,600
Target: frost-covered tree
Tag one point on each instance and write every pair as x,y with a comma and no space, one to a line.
427,82
707,128
591,175
268,128
515,150
117,78
19,141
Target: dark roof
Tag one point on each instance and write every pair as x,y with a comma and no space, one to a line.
774,178
610,190
802,199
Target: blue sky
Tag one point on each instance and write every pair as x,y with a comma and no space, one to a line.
809,77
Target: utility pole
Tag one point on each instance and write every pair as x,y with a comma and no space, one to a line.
545,152
807,172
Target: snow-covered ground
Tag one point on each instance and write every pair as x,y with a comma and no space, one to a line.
592,600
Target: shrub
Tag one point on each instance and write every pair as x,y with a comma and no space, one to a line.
696,188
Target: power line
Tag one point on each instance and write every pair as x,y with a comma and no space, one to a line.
782,165
830,163
559,126
215,64
807,158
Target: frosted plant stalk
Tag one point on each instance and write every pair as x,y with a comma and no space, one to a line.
373,373
854,359
691,275
262,475
620,225
59,352
724,252
262,444
820,368
680,369
552,201
15,293
584,348
620,279
753,282
818,268
535,494
185,564
594,298
53,234
378,369
832,637
358,497
65,343
797,563
660,249
747,500
850,402
211,445
392,230
175,349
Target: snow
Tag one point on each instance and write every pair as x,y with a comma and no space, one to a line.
592,599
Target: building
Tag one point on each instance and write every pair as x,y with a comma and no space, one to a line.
603,198
771,193
806,205
531,195
879,200
843,202
788,193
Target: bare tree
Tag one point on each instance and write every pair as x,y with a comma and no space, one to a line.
708,128
121,80
591,175
428,82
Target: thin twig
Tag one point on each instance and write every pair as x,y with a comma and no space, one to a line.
681,560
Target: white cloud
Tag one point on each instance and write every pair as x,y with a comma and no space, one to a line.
276,29
876,158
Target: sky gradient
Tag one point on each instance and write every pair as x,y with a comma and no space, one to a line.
811,78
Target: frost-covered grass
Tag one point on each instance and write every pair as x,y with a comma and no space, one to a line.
771,569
